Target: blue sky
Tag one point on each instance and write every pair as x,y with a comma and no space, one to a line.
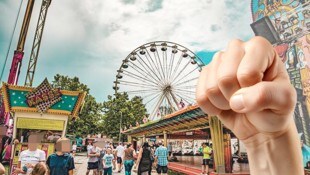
89,39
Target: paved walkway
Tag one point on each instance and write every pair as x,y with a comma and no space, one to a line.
81,166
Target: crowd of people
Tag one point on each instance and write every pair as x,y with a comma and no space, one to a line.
106,159
103,158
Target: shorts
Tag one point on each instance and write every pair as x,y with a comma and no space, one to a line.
107,171
162,169
205,161
119,160
92,165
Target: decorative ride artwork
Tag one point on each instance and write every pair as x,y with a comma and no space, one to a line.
287,24
43,97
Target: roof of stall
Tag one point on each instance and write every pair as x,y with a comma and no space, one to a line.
14,98
186,119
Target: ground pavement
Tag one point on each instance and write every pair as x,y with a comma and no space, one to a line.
81,165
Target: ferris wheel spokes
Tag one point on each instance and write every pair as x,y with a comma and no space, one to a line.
187,81
177,66
181,71
154,112
171,65
156,58
138,77
154,63
186,100
161,83
146,73
134,84
189,73
151,69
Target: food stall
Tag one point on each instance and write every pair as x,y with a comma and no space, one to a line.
43,110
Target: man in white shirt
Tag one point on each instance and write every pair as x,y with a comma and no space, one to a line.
120,153
93,153
30,157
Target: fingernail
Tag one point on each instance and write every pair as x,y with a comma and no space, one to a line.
237,102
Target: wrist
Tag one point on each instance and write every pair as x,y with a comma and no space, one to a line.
275,153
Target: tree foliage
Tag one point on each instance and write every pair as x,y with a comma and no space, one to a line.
120,111
91,118
103,117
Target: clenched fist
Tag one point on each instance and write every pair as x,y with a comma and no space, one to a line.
248,88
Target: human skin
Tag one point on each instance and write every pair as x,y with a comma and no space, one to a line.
248,89
2,169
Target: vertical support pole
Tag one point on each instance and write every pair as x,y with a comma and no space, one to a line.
216,129
143,139
165,139
129,139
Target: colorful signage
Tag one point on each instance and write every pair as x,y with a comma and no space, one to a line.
40,124
28,99
43,97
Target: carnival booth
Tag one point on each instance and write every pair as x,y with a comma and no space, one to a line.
43,110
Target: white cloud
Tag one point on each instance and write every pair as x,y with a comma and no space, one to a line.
89,39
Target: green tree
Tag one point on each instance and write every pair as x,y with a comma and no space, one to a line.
120,111
91,118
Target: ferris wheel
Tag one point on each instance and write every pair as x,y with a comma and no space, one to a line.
163,74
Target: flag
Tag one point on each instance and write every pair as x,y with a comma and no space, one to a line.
181,104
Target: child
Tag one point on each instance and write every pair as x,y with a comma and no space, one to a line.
74,146
107,162
39,169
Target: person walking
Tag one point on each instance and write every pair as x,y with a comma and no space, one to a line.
169,147
61,162
206,150
107,162
114,153
129,158
161,157
144,160
100,163
120,154
74,148
93,154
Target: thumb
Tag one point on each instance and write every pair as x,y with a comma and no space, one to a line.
280,97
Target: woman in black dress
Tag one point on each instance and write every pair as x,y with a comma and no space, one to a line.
144,161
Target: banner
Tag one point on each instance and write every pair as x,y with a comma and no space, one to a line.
40,124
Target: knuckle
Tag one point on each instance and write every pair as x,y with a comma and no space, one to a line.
201,99
212,91
226,81
291,97
218,55
249,77
235,42
258,44
204,103
264,95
